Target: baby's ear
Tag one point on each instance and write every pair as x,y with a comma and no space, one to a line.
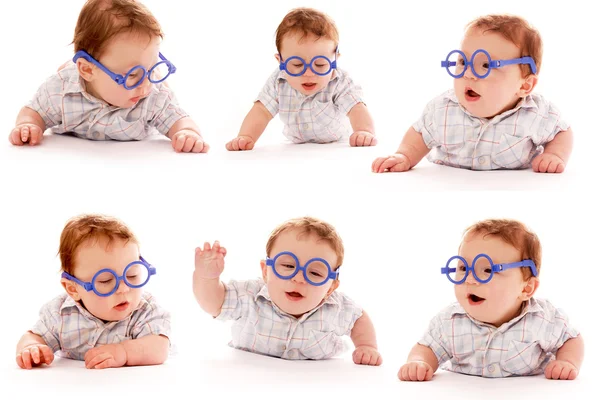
530,288
528,85
334,286
263,267
85,69
278,57
71,289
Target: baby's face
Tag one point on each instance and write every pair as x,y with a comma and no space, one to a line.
499,300
295,296
124,52
307,48
501,89
93,256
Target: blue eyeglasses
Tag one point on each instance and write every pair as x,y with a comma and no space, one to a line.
481,63
320,65
106,281
136,75
483,268
317,271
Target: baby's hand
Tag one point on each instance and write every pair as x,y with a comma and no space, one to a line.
188,141
562,370
415,371
362,139
107,356
34,355
548,162
240,143
26,133
366,355
210,262
393,163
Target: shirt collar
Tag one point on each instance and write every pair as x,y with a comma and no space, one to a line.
264,293
530,307
69,303
73,83
526,103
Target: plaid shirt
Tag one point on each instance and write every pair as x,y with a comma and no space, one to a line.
508,141
66,107
67,326
261,327
318,118
522,346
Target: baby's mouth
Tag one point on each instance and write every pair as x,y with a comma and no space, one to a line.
471,94
294,296
309,86
122,306
475,300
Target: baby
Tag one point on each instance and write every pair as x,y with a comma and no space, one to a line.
104,318
492,119
294,312
308,90
115,88
497,328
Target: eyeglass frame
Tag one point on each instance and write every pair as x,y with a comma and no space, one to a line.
332,64
90,286
494,267
493,63
120,79
331,275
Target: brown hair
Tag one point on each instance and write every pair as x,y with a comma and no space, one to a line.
101,20
307,21
308,225
517,235
516,30
86,227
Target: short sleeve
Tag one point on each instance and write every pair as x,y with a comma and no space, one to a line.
49,324
434,339
47,101
239,295
164,109
551,123
426,125
559,331
269,95
151,319
347,94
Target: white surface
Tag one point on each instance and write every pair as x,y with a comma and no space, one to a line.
398,229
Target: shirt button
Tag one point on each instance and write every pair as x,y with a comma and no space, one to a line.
491,368
283,348
481,160
305,126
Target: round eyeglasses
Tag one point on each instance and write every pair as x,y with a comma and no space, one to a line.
316,271
483,268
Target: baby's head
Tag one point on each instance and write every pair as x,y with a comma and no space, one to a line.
91,243
120,34
504,38
307,239
504,241
307,33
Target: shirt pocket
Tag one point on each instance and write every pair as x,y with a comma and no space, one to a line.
513,151
523,358
321,345
125,130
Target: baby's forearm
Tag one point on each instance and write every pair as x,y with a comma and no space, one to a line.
184,123
413,147
28,339
209,293
29,116
256,121
363,332
360,119
572,351
423,354
561,145
148,350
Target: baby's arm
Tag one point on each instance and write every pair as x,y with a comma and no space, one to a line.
412,150
420,366
556,154
362,126
147,350
568,360
29,128
363,337
185,137
32,351
208,288
252,128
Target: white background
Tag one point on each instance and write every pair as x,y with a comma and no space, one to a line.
398,229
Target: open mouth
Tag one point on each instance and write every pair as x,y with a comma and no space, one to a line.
294,296
475,300
471,95
309,86
122,306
